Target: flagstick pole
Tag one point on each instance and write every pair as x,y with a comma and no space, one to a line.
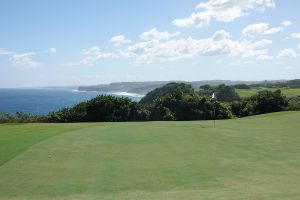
214,114
214,107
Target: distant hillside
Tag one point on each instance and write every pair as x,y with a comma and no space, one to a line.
145,87
164,90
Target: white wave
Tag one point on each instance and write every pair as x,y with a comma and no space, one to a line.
128,94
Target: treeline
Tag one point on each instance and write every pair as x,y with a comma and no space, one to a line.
279,84
174,101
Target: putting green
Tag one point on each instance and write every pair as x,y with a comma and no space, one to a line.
250,158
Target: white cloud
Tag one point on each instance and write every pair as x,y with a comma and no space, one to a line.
53,50
287,53
260,28
24,60
195,19
295,35
90,56
273,30
219,44
119,40
154,34
221,35
5,52
262,43
298,46
222,10
286,23
262,54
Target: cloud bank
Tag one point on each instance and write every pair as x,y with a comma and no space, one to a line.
222,10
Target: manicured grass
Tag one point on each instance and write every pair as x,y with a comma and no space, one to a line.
250,158
15,138
289,92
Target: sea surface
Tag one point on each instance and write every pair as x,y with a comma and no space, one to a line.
42,101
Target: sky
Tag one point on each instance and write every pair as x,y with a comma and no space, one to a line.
87,42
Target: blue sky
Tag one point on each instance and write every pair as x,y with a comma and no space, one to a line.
57,43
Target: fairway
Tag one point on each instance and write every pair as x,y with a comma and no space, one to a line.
251,158
289,92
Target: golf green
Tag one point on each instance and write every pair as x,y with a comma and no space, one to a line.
250,158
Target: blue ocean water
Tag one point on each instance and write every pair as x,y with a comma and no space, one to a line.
42,101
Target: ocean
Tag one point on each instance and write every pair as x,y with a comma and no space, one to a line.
42,101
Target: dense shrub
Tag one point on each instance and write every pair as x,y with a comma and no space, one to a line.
6,118
166,89
241,86
179,105
264,102
224,93
175,101
267,101
293,104
111,108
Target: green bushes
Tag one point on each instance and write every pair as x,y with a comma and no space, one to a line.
174,101
187,106
21,117
224,93
294,104
165,90
6,118
264,102
110,108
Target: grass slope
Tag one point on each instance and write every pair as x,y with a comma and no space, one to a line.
289,92
15,138
250,158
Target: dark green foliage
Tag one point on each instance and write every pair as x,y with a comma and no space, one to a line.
293,83
293,104
174,101
206,90
264,102
226,93
75,114
143,114
241,86
186,105
21,117
6,118
282,84
168,88
242,108
63,115
267,101
110,108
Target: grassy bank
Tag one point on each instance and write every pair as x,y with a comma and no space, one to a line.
289,92
249,158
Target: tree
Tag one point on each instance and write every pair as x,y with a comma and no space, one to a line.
178,105
226,93
241,86
111,108
264,102
267,101
164,90
6,118
206,90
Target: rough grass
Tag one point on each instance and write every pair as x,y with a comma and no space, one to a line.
289,92
251,158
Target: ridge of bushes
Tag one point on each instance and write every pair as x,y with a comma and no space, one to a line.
174,101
